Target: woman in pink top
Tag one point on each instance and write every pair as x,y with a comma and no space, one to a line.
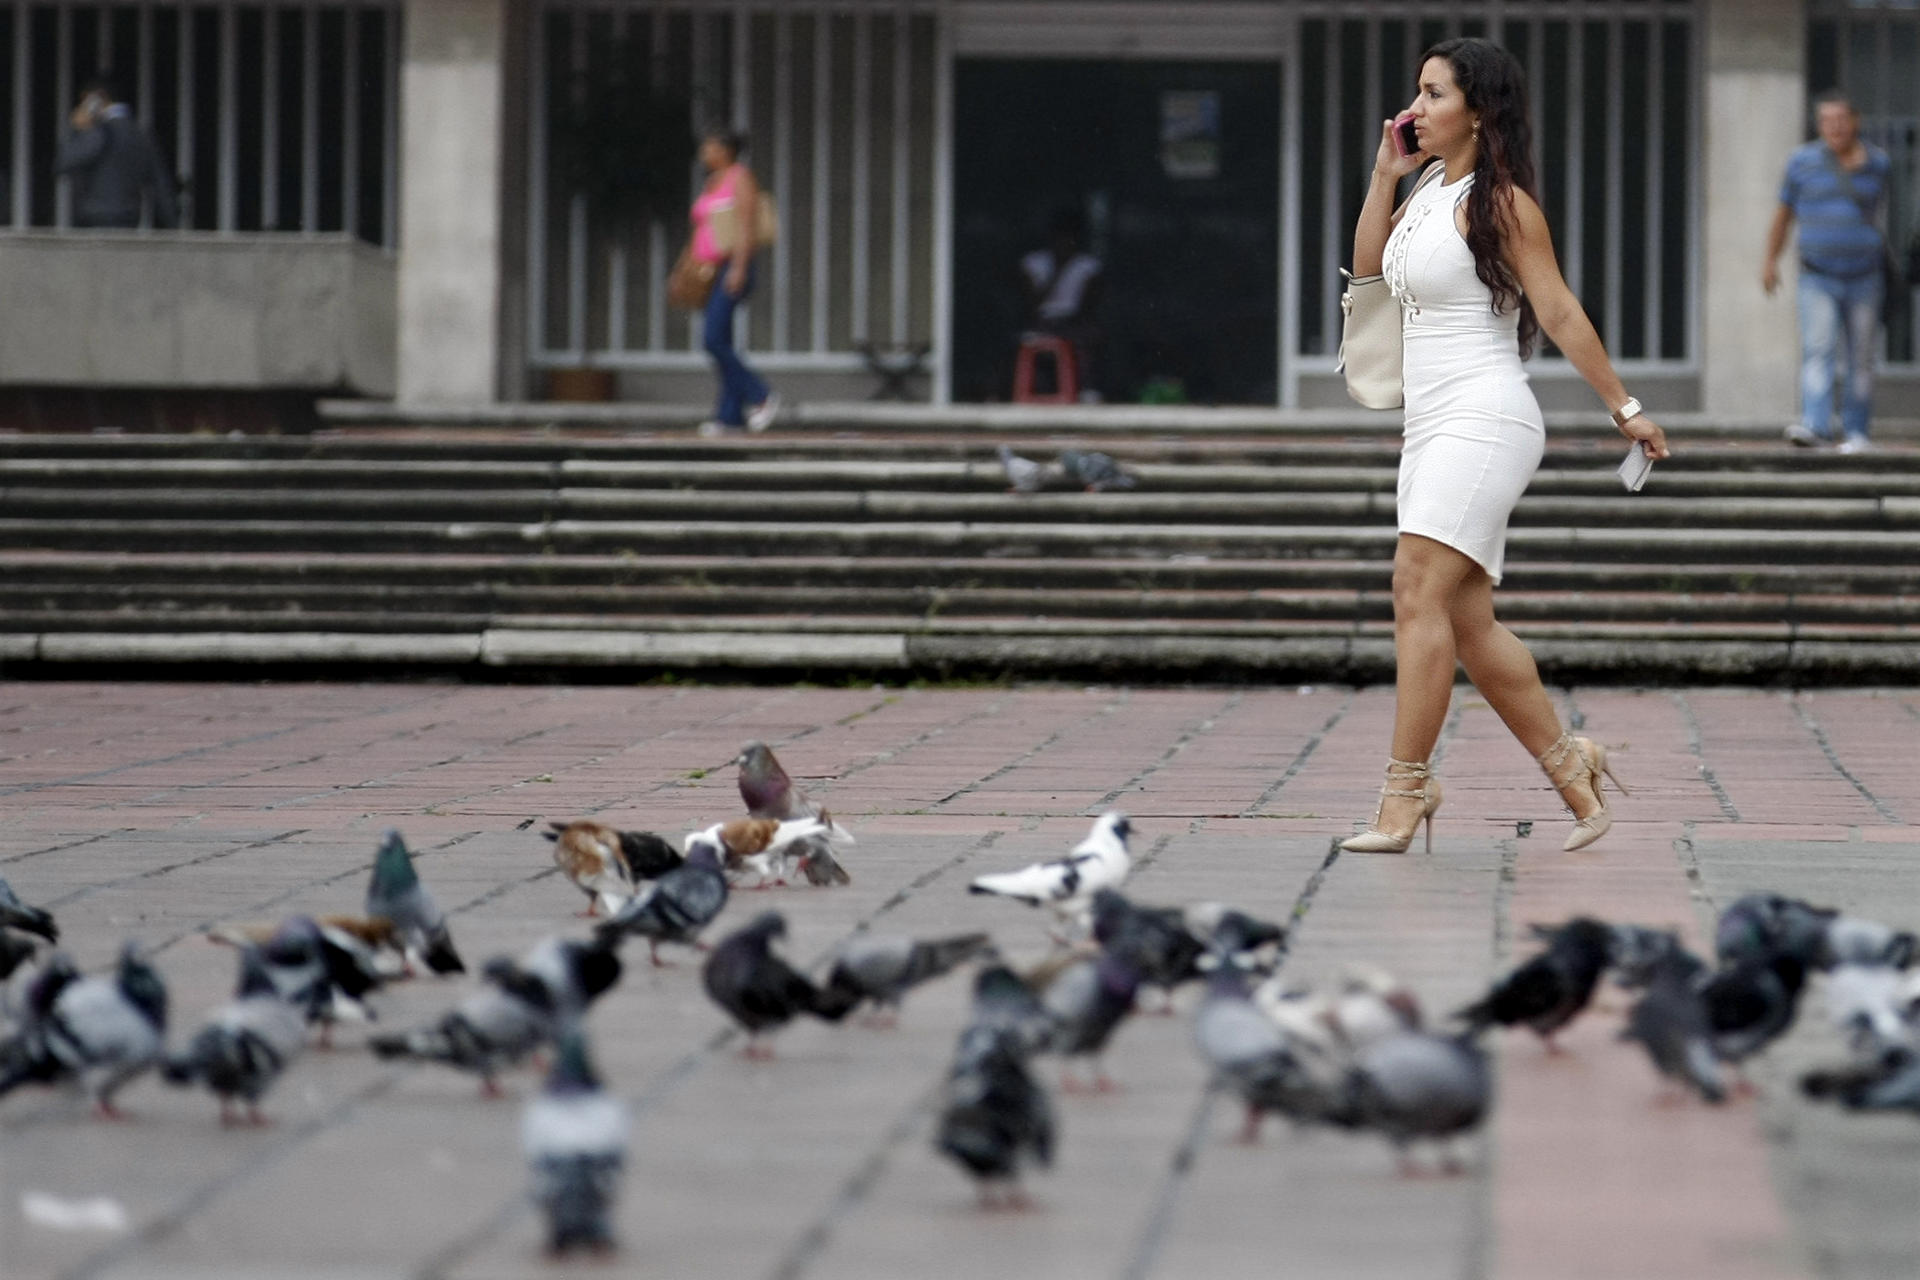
744,403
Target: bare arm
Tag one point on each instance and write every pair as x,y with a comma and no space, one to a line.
1529,251
1378,217
1776,241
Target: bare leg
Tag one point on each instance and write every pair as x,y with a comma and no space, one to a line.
1427,576
1504,672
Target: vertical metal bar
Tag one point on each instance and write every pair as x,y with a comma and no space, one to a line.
782,165
103,40
310,120
184,158
143,72
390,34
701,39
1652,266
1374,49
270,119
577,216
862,172
900,269
22,104
537,189
617,247
229,117
1287,129
942,247
1615,159
350,121
1576,113
656,231
822,180
63,102
740,76
1331,236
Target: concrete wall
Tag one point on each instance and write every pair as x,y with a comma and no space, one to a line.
451,84
1756,112
187,310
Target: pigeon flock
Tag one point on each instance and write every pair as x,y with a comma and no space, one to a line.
1357,1053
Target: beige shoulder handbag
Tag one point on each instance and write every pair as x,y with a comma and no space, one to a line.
1370,350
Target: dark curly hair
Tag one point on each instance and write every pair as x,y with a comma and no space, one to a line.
1496,90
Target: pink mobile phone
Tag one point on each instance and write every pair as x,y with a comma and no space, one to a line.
1405,140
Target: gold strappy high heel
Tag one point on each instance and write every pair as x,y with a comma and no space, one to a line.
1374,840
1570,760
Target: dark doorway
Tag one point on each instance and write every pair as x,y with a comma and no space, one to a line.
1175,167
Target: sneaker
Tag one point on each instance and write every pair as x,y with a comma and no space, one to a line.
712,428
760,419
1806,437
1855,444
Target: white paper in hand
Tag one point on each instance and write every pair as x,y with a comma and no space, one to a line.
1635,469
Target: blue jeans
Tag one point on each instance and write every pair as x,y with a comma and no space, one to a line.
740,387
1839,334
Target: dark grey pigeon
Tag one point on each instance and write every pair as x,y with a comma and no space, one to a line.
995,1117
1758,925
676,907
1004,1004
1890,1082
769,791
245,1046
1153,940
14,952
1670,1022
881,968
324,972
574,1134
1247,941
1638,952
396,894
1413,1085
1250,1055
1751,1004
1093,471
1551,989
97,1033
494,1028
1086,1001
758,989
15,914
574,973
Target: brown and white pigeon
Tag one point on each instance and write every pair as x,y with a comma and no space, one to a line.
608,864
759,845
769,791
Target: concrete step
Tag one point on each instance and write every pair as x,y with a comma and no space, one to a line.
1754,546
114,570
809,505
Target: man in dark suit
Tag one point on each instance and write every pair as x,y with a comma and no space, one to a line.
113,164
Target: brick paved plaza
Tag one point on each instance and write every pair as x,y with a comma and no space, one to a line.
155,810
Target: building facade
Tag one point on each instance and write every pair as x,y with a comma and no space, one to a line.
419,158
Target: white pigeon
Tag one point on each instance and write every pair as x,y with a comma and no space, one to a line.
1875,1008
1068,884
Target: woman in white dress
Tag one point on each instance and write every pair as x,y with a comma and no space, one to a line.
1471,260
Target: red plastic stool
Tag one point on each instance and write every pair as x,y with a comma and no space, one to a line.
1066,377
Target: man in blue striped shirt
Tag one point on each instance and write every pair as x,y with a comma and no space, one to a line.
1836,187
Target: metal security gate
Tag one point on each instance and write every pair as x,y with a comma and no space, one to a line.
839,104
1874,55
1612,88
274,116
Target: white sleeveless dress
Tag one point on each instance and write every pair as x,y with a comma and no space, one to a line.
1474,435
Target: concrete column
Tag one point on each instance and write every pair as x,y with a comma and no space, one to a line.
451,84
1755,113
